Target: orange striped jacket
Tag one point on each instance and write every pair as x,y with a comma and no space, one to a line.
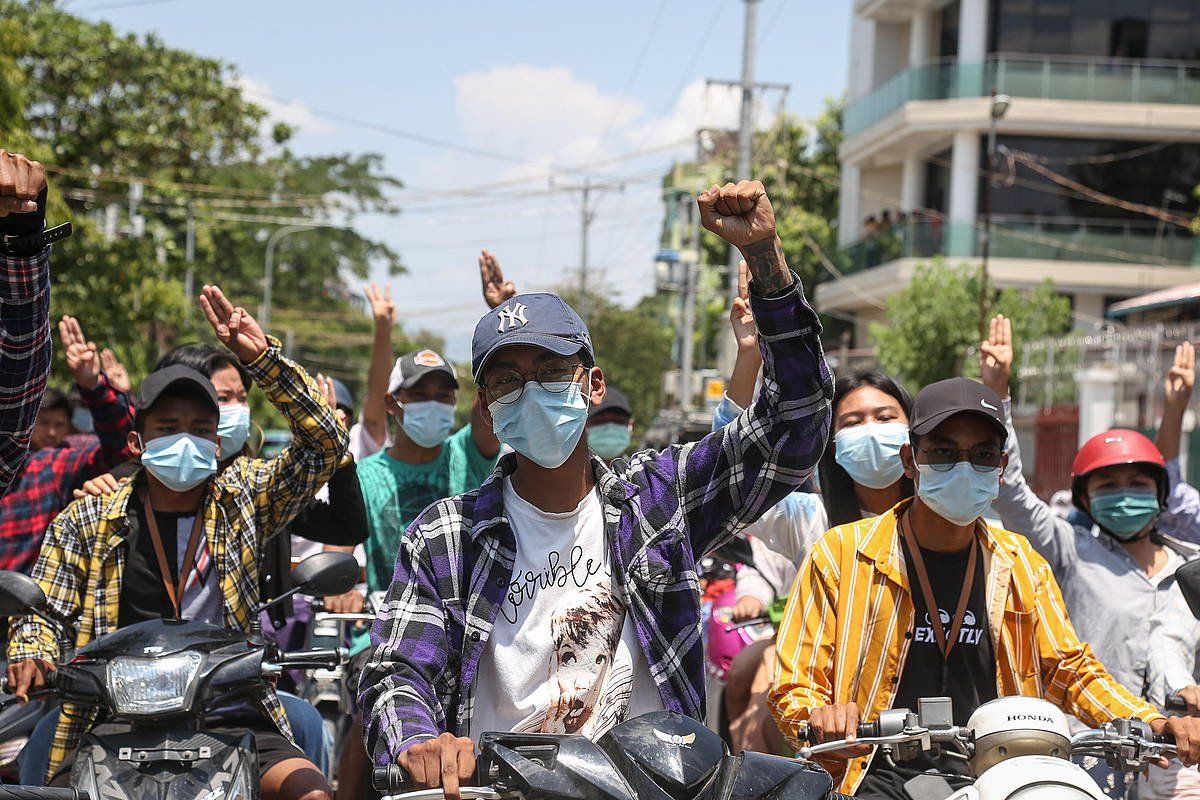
849,621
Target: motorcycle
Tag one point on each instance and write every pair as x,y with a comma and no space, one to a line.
162,677
657,756
1016,747
328,690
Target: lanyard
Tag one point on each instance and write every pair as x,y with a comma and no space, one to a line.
175,593
931,607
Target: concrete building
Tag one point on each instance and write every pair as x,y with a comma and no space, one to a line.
1105,104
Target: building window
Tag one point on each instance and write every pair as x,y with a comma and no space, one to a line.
1152,175
1134,29
948,43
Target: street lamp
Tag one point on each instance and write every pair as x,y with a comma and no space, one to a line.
264,311
999,107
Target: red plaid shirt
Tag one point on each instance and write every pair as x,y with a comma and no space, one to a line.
52,474
24,354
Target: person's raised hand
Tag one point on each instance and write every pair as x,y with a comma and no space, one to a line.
446,761
330,391
383,309
21,181
114,370
835,722
82,358
996,356
740,213
234,326
100,485
745,329
1181,378
1186,731
495,289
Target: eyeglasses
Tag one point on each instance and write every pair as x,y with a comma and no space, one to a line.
982,457
505,385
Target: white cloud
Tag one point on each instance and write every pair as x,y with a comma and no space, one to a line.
545,113
291,112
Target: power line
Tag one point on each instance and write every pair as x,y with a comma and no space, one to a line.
1106,158
633,75
771,22
120,5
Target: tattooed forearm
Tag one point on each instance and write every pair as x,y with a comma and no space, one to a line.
767,266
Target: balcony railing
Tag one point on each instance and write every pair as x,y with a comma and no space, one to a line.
1053,239
1107,80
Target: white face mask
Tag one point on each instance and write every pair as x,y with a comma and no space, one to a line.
427,423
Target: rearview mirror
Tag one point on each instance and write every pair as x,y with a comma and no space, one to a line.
19,594
326,574
1188,578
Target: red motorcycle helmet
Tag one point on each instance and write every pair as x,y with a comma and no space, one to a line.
1113,447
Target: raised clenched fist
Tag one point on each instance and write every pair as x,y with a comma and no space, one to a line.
21,181
740,213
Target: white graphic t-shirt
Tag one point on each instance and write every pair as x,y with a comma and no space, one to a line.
563,656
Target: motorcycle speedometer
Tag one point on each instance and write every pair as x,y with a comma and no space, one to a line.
140,686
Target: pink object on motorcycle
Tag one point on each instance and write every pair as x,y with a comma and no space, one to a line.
723,645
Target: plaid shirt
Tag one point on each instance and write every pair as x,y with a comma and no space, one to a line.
52,474
849,621
661,510
84,552
24,354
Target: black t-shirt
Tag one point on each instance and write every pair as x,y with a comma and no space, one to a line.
970,674
143,595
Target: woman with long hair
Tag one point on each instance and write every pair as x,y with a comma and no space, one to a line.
860,472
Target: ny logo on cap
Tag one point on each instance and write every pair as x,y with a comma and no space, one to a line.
512,317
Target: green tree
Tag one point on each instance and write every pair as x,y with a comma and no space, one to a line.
100,107
797,162
933,323
633,348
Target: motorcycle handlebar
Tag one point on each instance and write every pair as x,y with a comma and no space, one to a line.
321,658
41,793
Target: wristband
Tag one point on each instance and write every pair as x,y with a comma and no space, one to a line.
33,243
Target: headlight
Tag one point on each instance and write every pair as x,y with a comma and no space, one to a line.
239,788
152,685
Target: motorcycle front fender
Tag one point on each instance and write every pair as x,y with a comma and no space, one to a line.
167,765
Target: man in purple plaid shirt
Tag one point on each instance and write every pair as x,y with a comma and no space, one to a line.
24,308
561,596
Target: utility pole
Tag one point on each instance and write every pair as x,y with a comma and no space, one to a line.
745,144
189,280
691,270
587,215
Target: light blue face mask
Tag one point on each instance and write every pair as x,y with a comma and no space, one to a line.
1125,514
543,425
234,428
609,439
427,423
870,453
180,461
960,494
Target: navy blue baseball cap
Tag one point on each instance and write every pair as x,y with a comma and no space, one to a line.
541,319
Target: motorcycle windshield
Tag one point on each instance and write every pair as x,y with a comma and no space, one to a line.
162,637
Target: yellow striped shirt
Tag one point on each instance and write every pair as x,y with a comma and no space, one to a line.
849,621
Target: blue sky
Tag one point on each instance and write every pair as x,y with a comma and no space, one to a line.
545,84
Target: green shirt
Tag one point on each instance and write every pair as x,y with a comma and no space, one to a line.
396,492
